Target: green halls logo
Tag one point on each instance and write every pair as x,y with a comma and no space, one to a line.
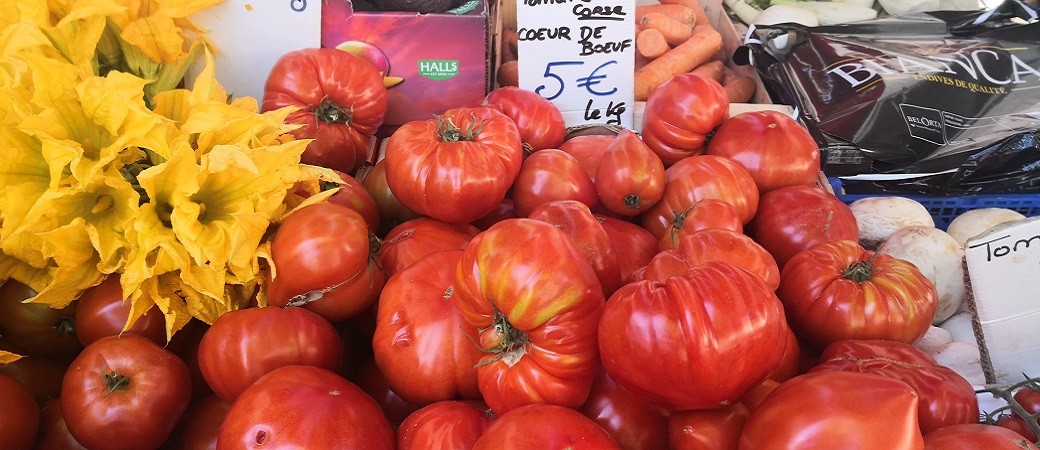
438,69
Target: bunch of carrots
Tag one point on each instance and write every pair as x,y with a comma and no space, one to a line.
672,37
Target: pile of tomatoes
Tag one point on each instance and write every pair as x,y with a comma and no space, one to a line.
489,284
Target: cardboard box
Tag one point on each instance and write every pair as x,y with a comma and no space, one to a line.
443,59
1003,265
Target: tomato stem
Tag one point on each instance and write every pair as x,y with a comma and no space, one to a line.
506,341
1007,394
632,201
66,326
114,381
449,132
861,271
329,112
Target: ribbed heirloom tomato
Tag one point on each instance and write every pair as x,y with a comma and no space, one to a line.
588,237
536,303
681,113
697,178
341,101
549,175
540,123
457,167
774,148
793,218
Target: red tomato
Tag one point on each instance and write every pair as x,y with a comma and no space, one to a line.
774,148
588,236
549,175
35,328
41,376
341,101
103,312
536,303
422,344
1029,397
633,421
791,365
19,415
835,410
391,211
794,218
327,262
54,433
633,244
372,381
241,346
707,429
754,397
1018,425
538,120
703,215
199,427
354,196
630,177
304,407
712,245
945,397
543,427
445,425
124,392
457,167
723,327
699,178
588,150
411,240
975,436
839,290
681,113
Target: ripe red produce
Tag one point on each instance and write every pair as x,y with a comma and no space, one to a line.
589,238
413,239
54,433
538,120
712,245
353,195
699,178
445,425
681,113
633,244
630,177
124,392
944,397
456,167
838,290
422,344
19,415
723,327
588,150
549,175
794,218
707,429
703,215
304,407
199,427
324,260
241,346
536,303
633,421
35,328
832,410
373,382
341,101
975,436
774,148
391,211
103,312
541,427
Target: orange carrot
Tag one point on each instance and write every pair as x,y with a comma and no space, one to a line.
641,60
681,13
698,10
700,47
711,69
739,88
674,31
651,43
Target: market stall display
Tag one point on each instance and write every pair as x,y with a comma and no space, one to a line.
184,267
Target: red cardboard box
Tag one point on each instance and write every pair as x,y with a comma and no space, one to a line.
443,59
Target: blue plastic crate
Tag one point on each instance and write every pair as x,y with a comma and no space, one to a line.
945,209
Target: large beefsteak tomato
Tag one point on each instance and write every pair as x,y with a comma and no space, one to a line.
304,407
713,244
723,327
794,218
707,429
681,113
774,148
36,328
446,425
976,436
549,175
456,167
411,240
542,427
589,238
633,421
839,290
536,303
19,415
630,177
945,397
341,102
422,344
698,178
538,120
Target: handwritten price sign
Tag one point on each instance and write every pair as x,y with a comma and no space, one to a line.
251,35
579,54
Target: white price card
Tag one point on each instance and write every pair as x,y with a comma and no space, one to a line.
250,35
579,54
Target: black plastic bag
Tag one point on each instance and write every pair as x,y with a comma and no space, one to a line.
940,103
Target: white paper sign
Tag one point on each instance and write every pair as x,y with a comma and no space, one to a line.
580,55
251,35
